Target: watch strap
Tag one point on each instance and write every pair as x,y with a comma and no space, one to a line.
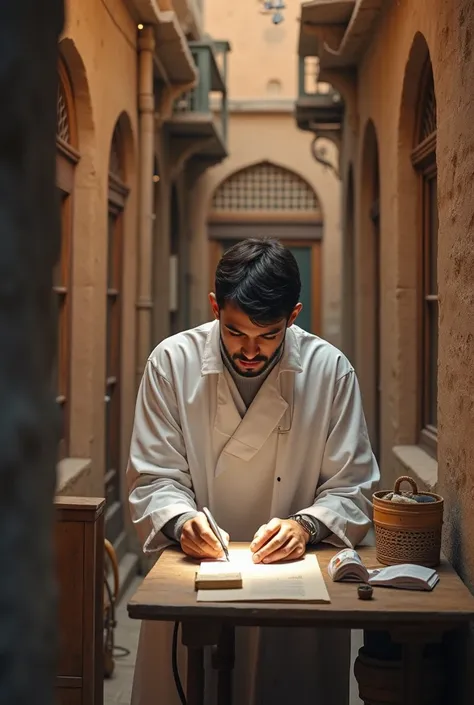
308,524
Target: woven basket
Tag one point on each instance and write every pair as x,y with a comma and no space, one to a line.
408,533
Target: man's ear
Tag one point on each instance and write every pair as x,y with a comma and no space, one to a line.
294,314
214,305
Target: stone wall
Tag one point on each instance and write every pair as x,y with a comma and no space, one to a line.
383,114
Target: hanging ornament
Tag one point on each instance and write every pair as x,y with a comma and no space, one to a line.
275,7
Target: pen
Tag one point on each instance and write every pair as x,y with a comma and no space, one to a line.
216,531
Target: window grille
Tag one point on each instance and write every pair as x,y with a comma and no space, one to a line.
265,187
115,161
62,116
428,115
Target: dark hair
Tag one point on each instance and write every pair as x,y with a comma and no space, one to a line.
261,277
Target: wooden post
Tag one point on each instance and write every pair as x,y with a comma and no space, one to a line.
29,248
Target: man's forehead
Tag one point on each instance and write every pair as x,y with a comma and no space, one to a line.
235,319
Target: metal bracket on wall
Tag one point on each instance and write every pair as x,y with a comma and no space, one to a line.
167,95
182,149
319,155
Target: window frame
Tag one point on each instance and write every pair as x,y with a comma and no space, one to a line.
424,162
116,204
67,157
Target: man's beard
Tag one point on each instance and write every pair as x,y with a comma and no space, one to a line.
268,361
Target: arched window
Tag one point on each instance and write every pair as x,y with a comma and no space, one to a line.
66,160
424,161
117,197
265,187
265,199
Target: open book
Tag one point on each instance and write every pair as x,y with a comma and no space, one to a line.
347,565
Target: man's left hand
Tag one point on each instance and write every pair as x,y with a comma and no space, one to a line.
279,540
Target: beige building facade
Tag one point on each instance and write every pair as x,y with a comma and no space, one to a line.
404,70
127,149
270,184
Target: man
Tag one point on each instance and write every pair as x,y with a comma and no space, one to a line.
263,423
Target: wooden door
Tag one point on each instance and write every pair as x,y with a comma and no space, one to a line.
308,256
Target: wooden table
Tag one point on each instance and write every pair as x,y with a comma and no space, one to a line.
413,619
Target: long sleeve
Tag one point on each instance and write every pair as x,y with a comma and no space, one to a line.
159,481
349,471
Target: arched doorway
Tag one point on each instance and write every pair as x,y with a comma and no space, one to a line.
369,313
117,197
266,200
67,156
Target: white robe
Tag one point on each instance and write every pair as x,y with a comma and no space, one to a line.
302,446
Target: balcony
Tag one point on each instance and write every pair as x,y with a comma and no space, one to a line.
319,108
189,13
198,125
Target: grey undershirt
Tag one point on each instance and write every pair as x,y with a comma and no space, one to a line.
248,388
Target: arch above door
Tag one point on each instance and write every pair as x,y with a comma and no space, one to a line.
267,200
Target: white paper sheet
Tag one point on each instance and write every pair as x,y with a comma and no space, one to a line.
297,581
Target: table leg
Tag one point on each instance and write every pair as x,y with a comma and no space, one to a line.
195,676
412,660
422,675
195,636
223,659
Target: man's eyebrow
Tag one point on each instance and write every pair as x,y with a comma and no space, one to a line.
273,331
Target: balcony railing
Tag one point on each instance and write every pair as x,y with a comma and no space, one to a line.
319,106
209,97
309,85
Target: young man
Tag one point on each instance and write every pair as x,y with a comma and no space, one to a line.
263,423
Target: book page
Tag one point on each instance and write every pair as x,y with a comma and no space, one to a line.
408,576
404,570
295,581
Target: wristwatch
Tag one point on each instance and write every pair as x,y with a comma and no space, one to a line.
307,524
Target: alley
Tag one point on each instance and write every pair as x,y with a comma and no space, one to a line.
333,139
118,688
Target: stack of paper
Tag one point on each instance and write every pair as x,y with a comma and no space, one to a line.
295,581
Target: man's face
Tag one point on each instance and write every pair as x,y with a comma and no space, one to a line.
250,348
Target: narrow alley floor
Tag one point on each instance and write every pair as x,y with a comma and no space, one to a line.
118,689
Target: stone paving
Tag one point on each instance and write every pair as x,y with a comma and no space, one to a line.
118,689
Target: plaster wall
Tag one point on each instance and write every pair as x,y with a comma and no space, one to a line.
99,48
386,95
262,63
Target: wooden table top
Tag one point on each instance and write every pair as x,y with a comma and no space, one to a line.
167,594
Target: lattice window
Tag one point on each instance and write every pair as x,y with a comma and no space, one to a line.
63,129
116,161
428,114
265,187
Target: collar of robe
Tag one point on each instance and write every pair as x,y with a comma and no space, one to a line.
212,362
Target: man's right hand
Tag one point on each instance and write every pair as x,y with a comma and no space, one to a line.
198,540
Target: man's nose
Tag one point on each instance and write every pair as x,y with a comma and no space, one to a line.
250,350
